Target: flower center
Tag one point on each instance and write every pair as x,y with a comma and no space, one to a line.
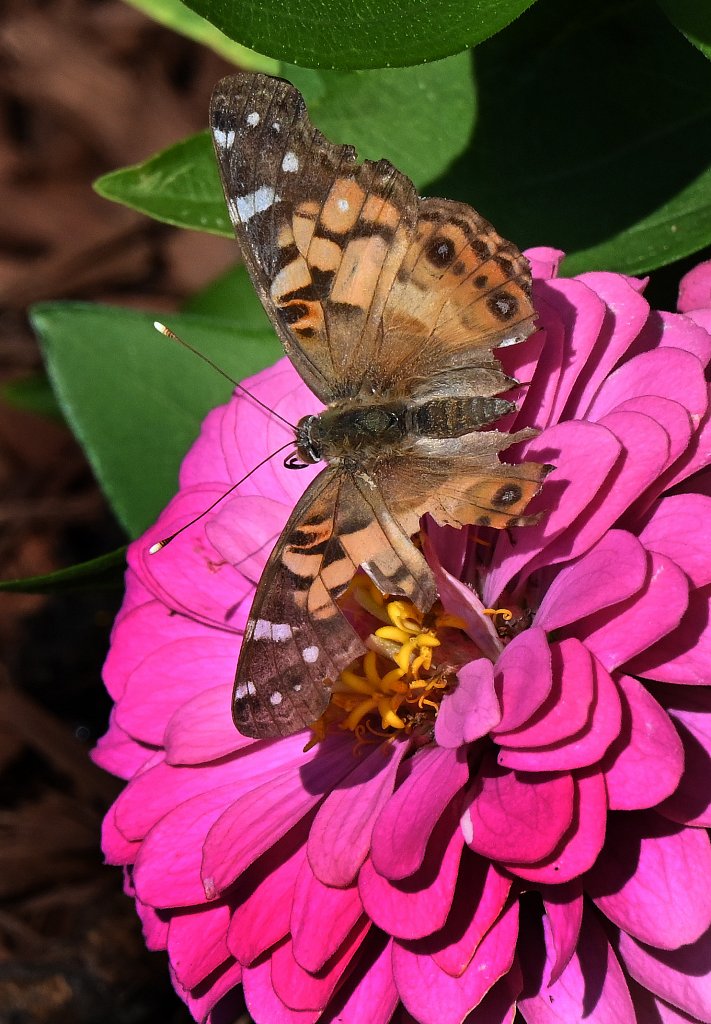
396,687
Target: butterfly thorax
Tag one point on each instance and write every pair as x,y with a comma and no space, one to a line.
370,430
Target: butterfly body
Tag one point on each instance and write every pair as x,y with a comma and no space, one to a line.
390,307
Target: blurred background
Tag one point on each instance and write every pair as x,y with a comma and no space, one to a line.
86,87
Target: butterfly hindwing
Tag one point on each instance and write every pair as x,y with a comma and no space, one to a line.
297,639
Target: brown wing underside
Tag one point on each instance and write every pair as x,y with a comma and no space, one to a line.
297,639
369,287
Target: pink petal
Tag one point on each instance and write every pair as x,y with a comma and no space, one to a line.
689,709
200,730
645,764
190,576
137,634
405,824
472,710
615,636
169,676
579,847
116,848
419,905
651,1010
220,986
303,991
564,909
566,495
667,372
321,918
478,901
167,871
583,315
612,572
461,600
586,747
369,994
244,531
523,677
517,817
339,840
205,460
197,943
161,787
625,314
263,917
651,879
545,261
592,987
539,373
696,456
263,1003
435,997
567,707
645,454
681,976
683,656
118,753
671,330
155,926
255,820
673,521
695,288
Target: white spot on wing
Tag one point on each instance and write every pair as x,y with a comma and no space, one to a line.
281,631
290,162
276,126
296,687
247,689
276,698
256,202
265,630
343,205
253,119
310,654
224,139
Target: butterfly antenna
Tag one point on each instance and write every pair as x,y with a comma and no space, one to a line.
166,540
162,329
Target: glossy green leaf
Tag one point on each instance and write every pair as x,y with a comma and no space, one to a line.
231,296
349,34
106,571
180,18
134,399
693,18
178,186
419,118
607,157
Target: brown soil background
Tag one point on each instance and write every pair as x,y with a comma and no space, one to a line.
86,86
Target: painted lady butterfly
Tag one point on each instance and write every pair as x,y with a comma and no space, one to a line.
389,307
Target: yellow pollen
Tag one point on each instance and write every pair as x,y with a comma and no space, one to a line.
396,680
505,614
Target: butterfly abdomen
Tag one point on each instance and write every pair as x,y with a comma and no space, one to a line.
453,417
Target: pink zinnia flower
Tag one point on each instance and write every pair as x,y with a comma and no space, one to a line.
505,805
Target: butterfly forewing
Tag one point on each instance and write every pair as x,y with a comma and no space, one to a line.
377,296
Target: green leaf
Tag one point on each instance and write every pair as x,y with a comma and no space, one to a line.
693,18
32,394
231,296
350,34
106,571
180,18
607,158
419,118
179,186
136,400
